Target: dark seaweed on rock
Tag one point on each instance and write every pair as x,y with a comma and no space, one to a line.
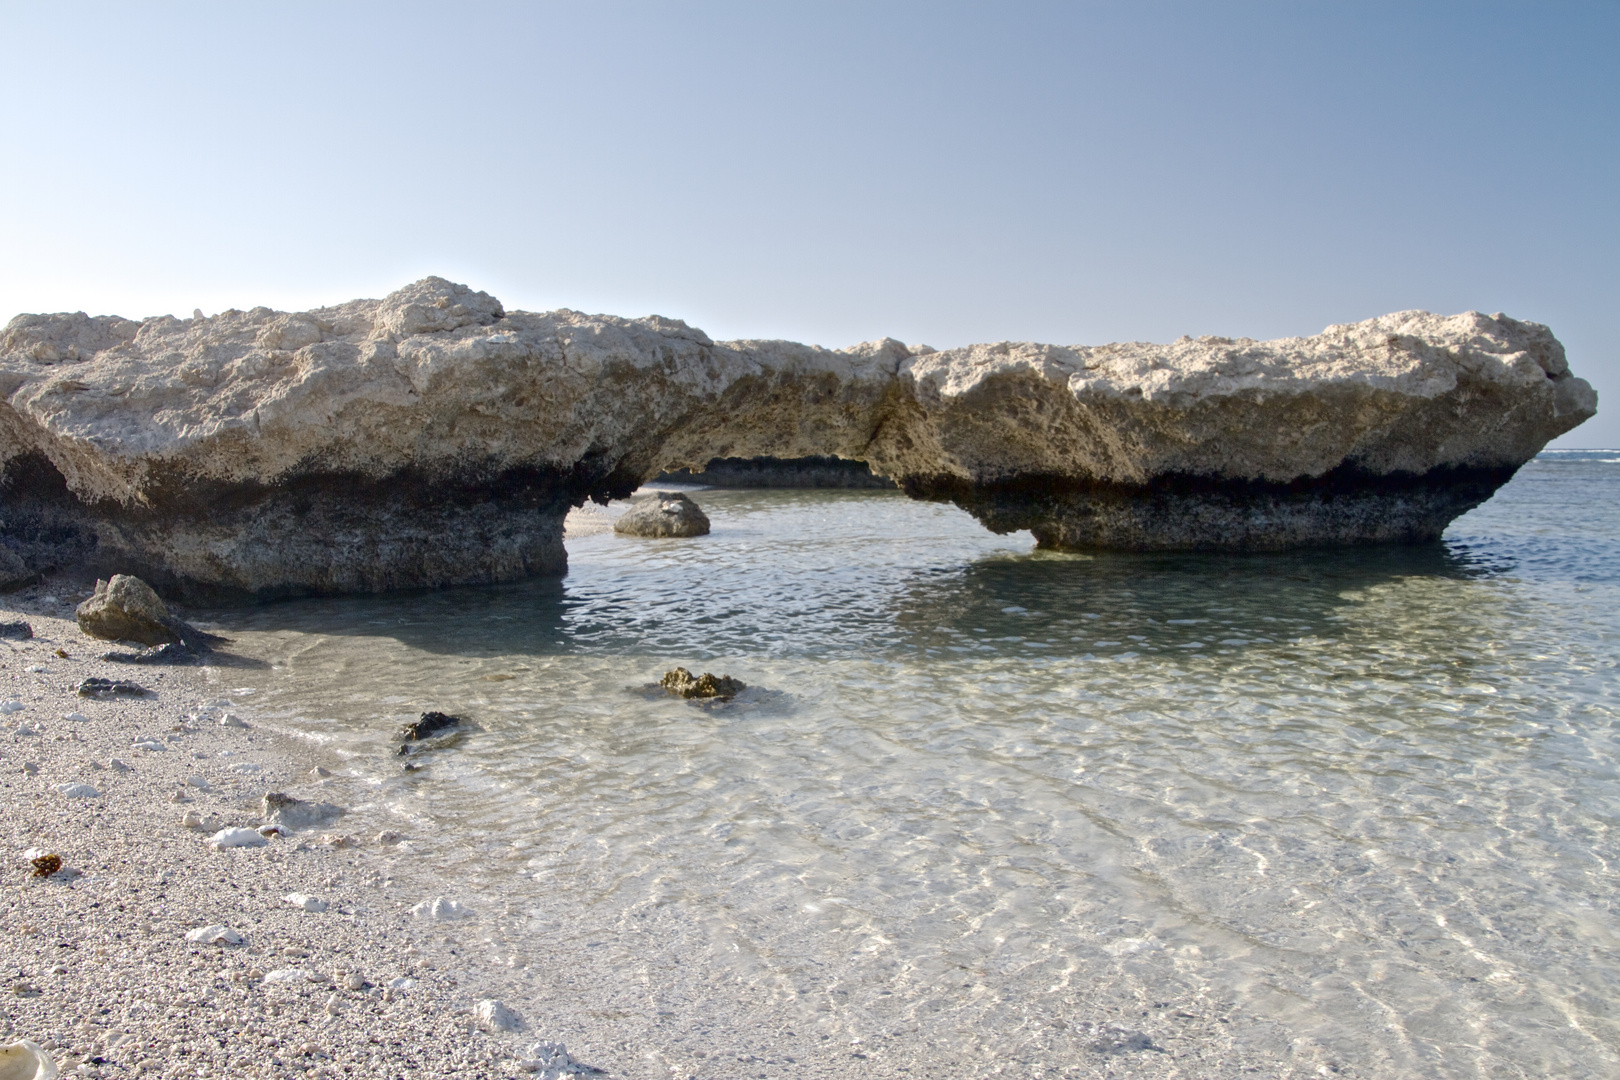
430,723
684,684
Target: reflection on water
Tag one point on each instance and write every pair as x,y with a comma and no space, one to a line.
1345,810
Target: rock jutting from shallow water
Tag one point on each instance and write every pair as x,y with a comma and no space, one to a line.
663,514
435,438
683,683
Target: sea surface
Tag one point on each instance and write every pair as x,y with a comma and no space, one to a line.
985,809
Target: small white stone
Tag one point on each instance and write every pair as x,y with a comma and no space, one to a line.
191,820
334,1005
77,718
231,720
24,730
320,771
198,782
149,744
78,791
441,909
11,706
26,1060
287,975
118,765
246,768
227,838
493,1016
401,983
214,935
305,901
354,982
30,768
38,669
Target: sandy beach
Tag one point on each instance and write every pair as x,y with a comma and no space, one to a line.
98,967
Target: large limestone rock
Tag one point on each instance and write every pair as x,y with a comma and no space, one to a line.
124,608
435,438
663,514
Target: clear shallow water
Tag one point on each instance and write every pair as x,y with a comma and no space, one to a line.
1348,810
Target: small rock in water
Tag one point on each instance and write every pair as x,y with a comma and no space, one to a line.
229,838
308,903
78,791
431,723
683,683
283,809
214,935
663,514
16,631
441,909
25,1060
494,1016
107,689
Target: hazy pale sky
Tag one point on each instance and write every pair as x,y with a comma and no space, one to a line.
941,173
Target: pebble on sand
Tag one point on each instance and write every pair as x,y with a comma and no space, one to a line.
78,791
305,901
226,838
25,1060
494,1016
214,935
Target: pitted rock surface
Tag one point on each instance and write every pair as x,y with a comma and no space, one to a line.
435,438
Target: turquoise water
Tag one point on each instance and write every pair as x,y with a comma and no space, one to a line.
992,808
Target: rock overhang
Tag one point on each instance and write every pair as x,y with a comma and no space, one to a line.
191,449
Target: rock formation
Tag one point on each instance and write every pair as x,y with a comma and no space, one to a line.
433,438
663,514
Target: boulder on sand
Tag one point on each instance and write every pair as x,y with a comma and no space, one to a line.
663,514
124,608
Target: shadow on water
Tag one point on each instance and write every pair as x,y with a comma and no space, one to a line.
1004,602
1076,603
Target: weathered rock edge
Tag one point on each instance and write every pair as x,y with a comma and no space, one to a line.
434,438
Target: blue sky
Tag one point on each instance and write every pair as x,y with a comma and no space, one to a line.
941,173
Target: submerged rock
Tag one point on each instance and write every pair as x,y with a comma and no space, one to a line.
283,809
663,514
434,438
428,725
684,684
